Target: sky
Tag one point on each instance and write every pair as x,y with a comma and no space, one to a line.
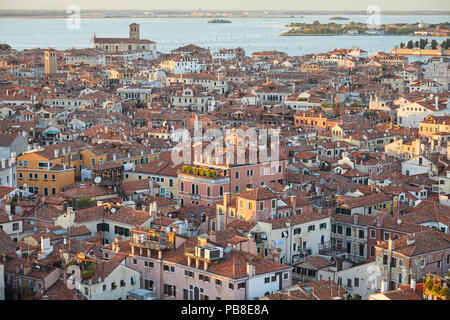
404,5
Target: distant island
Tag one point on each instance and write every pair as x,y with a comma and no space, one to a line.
219,21
334,29
339,18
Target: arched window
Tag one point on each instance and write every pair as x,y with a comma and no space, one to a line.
322,239
182,186
221,191
208,191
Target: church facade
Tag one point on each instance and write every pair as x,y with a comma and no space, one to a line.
132,47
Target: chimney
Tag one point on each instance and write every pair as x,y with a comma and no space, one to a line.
56,153
114,157
413,284
63,150
116,244
159,254
355,219
391,244
383,286
294,202
436,102
250,270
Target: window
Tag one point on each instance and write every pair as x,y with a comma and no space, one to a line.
361,250
297,231
422,262
286,276
241,285
134,261
231,286
339,229
15,226
348,231
311,228
373,234
267,280
121,231
349,283
149,264
113,286
361,234
261,205
322,226
385,259
438,264
188,273
203,278
149,284
274,203
170,290
122,283
356,282
218,282
53,177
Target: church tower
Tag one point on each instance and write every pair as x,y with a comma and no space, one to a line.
50,61
134,31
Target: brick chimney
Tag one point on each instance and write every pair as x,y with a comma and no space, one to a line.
293,202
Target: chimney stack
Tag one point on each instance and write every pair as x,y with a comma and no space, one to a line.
436,102
391,244
413,284
383,286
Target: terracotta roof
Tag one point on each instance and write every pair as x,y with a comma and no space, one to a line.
420,243
257,194
7,245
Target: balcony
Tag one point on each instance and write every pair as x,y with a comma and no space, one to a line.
194,196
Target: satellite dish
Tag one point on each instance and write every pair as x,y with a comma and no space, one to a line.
97,180
399,221
113,210
177,207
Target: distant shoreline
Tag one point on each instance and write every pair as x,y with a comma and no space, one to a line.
5,15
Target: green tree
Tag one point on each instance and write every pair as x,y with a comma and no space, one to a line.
410,44
434,44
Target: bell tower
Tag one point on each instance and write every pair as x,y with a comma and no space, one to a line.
134,31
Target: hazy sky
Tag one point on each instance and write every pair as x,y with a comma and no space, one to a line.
229,4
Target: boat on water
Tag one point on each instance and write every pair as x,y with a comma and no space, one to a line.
219,21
